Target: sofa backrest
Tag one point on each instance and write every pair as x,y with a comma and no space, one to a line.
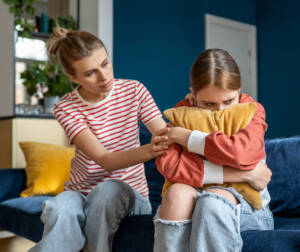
283,158
154,179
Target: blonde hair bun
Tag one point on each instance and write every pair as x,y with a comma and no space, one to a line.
56,37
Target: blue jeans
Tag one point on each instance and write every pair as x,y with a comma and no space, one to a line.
73,221
215,225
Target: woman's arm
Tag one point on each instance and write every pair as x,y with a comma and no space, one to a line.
156,124
87,142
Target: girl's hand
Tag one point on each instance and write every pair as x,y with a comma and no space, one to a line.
191,99
178,135
159,142
259,177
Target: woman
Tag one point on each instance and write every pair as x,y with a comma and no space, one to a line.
101,118
191,219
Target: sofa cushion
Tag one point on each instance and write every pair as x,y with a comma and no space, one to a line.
22,216
283,158
47,168
136,233
275,241
12,182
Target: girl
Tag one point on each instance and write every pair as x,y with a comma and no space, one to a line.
101,118
191,219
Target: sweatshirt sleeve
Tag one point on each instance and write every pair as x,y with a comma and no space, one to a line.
242,150
181,166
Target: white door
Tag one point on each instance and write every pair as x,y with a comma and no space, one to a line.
239,39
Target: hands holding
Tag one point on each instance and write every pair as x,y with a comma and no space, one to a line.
159,142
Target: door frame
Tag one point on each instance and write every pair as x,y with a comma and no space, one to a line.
251,29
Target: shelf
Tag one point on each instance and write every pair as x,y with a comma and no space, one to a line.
40,116
39,35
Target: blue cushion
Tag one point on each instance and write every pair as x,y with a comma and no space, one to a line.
136,234
22,216
283,158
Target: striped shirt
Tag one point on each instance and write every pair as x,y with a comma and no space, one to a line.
115,123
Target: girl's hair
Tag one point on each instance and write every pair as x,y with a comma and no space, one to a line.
217,68
71,46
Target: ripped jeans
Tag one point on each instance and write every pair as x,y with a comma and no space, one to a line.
215,225
73,221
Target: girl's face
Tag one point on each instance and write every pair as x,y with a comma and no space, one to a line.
94,75
215,98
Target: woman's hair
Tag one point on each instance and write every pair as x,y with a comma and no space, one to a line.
215,67
71,46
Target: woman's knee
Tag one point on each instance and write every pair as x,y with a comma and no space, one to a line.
68,203
109,194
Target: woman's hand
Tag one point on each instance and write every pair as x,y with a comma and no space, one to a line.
159,142
260,177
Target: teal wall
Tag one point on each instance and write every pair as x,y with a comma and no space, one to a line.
278,64
157,41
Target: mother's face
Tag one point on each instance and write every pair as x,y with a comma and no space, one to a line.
95,72
215,98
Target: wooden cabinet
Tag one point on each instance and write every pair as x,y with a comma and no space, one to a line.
14,130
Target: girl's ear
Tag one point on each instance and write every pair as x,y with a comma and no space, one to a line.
191,98
191,90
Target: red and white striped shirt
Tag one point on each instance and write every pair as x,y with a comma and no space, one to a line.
115,122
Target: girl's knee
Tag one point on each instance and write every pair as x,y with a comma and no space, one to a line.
225,194
65,202
178,202
180,193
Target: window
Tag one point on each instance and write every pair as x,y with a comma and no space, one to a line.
27,51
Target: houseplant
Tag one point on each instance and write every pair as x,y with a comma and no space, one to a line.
23,10
47,81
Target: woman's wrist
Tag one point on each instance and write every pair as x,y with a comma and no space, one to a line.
180,135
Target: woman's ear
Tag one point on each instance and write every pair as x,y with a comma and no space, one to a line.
71,77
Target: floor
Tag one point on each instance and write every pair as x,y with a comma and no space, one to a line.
15,244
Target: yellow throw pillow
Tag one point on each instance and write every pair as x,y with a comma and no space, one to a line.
47,168
228,121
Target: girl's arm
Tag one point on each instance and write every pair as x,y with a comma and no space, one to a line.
242,150
181,166
87,142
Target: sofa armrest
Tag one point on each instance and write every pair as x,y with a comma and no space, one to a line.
12,182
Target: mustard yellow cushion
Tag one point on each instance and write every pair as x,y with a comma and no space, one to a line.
228,121
47,168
